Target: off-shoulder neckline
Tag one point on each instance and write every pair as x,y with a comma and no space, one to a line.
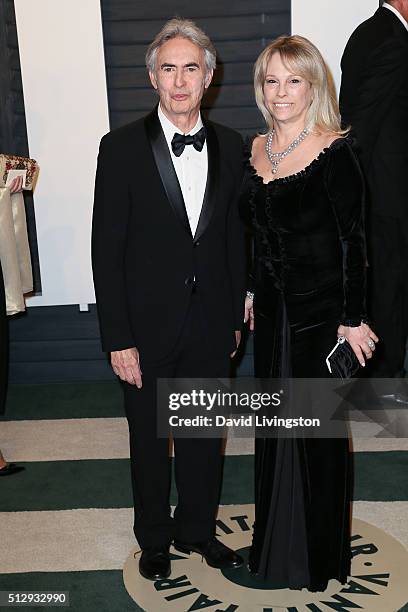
296,175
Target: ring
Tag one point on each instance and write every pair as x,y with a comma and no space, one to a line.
371,343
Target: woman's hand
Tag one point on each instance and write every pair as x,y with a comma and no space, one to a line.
362,340
249,312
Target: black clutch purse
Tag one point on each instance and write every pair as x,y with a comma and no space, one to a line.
342,361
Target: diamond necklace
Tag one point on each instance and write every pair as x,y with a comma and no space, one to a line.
276,158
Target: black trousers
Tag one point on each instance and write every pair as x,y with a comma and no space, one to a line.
198,462
4,348
388,293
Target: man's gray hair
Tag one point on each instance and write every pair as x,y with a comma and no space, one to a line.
183,28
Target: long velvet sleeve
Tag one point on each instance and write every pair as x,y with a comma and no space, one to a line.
345,187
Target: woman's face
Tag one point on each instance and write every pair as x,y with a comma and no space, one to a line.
287,96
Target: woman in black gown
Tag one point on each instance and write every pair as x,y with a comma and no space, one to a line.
305,207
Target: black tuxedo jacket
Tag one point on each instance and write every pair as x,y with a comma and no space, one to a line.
144,256
374,101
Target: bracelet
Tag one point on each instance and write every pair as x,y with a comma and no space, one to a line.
250,295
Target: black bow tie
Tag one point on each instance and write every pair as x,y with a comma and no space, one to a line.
180,141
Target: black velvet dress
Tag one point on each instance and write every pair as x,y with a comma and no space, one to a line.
308,276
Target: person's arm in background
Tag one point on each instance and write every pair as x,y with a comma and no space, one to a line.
367,95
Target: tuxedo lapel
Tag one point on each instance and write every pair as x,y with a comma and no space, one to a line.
166,169
211,188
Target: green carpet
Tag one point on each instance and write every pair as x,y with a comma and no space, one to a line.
381,476
105,483
64,401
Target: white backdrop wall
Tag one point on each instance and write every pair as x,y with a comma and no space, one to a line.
328,24
64,85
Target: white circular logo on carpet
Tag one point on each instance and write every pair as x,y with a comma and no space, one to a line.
378,582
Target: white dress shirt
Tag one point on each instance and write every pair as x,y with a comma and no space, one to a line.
191,169
397,13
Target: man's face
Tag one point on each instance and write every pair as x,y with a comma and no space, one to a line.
180,77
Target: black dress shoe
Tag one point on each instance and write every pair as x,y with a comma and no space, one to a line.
154,563
214,552
11,468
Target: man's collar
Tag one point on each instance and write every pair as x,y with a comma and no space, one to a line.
397,13
170,129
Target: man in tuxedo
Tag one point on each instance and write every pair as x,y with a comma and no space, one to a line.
168,261
374,101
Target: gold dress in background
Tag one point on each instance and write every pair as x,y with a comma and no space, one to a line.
14,248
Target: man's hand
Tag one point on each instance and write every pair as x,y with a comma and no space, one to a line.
249,312
126,365
16,185
237,340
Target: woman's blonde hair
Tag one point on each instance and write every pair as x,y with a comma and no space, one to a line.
302,58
